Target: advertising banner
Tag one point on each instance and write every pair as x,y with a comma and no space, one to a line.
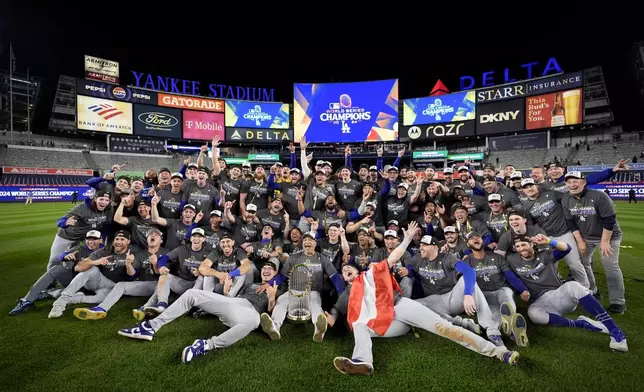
44,193
346,112
203,125
472,156
619,191
157,121
263,157
500,93
253,114
432,154
554,109
103,115
437,131
500,117
195,103
555,83
598,168
258,135
445,108
136,144
118,93
101,69
46,171
519,142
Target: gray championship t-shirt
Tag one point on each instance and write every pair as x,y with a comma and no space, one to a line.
115,269
170,204
139,228
86,219
256,193
203,198
588,211
188,260
258,300
438,276
145,267
347,194
506,243
223,263
539,275
489,270
546,212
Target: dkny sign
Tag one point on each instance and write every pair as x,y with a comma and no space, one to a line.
500,117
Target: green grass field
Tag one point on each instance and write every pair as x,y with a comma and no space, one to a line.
38,354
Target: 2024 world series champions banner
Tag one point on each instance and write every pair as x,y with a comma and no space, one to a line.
346,112
253,114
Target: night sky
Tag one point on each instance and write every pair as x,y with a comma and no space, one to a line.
255,50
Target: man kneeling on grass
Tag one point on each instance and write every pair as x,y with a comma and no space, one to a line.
375,307
240,313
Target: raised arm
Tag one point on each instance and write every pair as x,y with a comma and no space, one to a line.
397,253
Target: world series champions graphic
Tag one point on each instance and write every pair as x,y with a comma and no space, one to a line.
346,112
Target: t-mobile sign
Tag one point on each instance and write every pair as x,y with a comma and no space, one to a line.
203,125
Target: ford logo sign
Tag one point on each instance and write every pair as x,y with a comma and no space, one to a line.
158,119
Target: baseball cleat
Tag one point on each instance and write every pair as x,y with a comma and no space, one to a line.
154,311
593,325
518,328
350,366
618,341
44,295
511,357
138,314
95,313
143,331
21,306
467,323
506,319
320,328
617,308
56,311
197,348
269,327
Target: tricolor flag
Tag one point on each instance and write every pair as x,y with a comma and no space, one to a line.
372,298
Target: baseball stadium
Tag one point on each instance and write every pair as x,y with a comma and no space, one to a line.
174,232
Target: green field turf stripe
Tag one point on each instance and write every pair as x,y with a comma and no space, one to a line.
27,229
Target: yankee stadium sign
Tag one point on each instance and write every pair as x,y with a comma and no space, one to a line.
194,87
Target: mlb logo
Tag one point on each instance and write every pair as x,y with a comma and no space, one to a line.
334,105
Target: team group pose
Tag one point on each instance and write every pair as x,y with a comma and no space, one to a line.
385,251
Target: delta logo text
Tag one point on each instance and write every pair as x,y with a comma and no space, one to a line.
106,111
437,109
257,115
158,121
344,113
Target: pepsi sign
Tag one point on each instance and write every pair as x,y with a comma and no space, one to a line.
118,93
157,121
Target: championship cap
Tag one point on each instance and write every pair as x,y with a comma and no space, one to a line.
364,165
198,231
472,234
527,181
102,193
371,204
310,234
327,163
93,234
202,169
489,166
246,164
272,262
295,170
319,163
164,169
123,233
449,229
251,208
552,164
364,230
516,175
428,240
177,175
373,168
215,213
463,168
144,201
393,222
403,185
391,233
319,171
193,166
494,197
278,163
574,174
448,170
226,236
392,167
190,206
153,230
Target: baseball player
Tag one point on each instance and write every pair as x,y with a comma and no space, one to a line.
401,268
226,262
148,274
492,275
93,214
240,313
551,298
318,265
592,215
448,295
99,273
374,307
188,257
62,271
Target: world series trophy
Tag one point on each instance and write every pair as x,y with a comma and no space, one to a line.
299,288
